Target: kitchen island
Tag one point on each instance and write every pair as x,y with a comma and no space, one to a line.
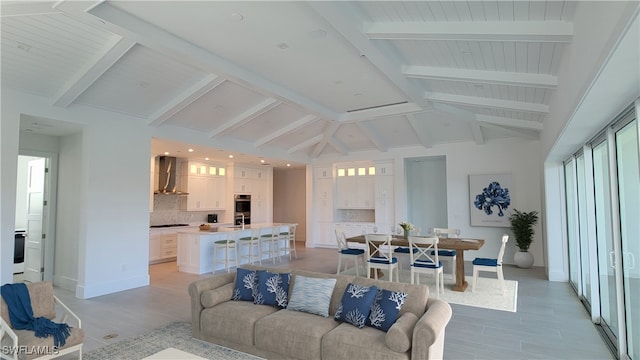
195,247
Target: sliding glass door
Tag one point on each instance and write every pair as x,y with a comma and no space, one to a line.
629,194
572,224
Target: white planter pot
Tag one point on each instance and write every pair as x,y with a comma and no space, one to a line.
523,259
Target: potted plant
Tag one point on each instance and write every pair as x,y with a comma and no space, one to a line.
522,223
407,227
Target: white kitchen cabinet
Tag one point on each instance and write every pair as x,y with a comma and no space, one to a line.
384,197
163,244
207,187
325,236
324,173
324,199
355,187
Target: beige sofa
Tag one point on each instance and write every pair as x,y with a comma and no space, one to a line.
274,333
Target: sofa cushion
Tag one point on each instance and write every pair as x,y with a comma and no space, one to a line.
400,334
356,304
213,297
312,295
233,321
346,342
341,284
272,289
293,334
417,294
385,309
245,285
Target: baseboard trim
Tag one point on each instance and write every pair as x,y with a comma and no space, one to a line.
93,290
65,282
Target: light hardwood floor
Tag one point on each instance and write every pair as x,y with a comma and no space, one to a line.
550,322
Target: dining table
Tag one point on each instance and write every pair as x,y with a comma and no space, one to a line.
458,244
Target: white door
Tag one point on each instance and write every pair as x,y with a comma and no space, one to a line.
34,249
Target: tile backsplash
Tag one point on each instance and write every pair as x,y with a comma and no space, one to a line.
166,210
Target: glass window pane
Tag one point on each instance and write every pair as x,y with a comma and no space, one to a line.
629,194
572,234
606,274
582,229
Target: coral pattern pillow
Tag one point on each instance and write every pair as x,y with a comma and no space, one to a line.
356,304
246,283
272,289
312,295
385,309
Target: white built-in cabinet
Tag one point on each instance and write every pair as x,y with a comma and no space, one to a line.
255,182
163,245
323,198
207,186
384,208
355,187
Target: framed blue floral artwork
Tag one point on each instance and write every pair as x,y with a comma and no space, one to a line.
491,199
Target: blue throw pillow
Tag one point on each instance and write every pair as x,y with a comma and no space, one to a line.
246,283
356,304
272,289
312,295
385,309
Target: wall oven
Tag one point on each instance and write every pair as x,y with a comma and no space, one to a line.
242,209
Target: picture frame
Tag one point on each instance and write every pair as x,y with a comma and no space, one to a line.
490,199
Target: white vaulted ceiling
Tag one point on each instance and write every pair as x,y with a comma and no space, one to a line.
304,78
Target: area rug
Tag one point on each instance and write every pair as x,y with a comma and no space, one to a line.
488,293
176,335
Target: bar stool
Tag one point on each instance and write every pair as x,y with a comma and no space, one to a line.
271,240
251,242
289,238
227,245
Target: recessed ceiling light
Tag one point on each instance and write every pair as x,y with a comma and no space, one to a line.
143,84
288,164
466,52
190,150
230,156
237,16
166,153
283,46
262,161
206,159
338,82
358,94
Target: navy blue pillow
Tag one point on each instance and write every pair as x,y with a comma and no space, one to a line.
272,289
246,283
385,309
356,304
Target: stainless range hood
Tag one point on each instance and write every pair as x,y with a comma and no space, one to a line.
168,180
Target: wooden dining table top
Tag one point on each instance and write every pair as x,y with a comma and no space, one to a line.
444,243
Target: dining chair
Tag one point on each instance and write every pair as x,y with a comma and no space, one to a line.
445,255
347,253
251,242
425,260
403,251
379,252
490,265
228,245
288,239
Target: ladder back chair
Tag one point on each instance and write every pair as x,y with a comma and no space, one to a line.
347,253
425,260
379,253
448,256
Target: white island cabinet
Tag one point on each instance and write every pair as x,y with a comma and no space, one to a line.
195,248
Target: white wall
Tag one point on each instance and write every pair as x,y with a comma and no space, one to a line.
427,202
65,272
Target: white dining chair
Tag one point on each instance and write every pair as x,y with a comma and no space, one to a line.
425,260
448,256
346,253
490,265
379,252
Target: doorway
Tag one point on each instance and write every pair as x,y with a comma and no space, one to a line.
427,192
35,210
